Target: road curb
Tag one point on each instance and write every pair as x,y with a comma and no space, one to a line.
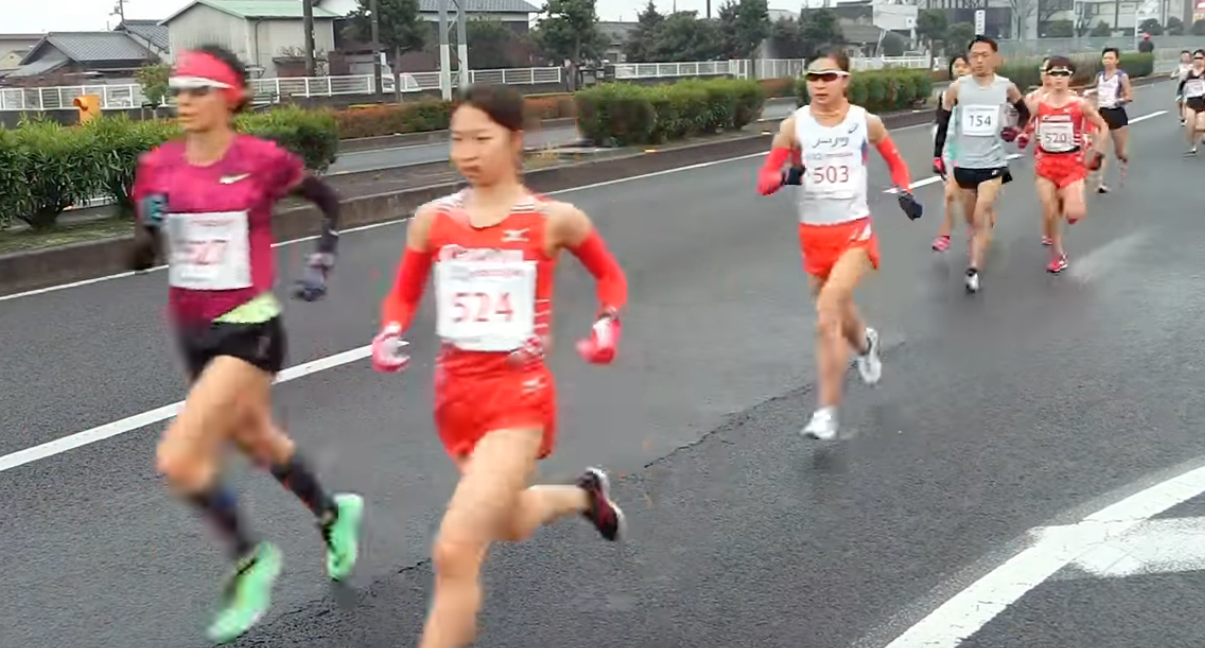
87,260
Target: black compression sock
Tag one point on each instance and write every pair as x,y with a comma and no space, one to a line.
296,476
219,506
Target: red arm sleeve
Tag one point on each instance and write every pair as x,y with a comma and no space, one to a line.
895,163
598,260
401,304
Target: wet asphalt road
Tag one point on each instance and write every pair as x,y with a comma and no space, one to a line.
996,413
549,136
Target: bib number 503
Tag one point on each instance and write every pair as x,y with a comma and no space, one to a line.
830,174
481,307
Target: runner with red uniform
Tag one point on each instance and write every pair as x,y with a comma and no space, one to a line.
494,247
836,234
1060,121
209,197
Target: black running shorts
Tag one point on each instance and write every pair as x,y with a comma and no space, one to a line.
1115,118
1195,104
972,178
261,345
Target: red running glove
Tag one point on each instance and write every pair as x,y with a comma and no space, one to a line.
1022,141
1095,161
939,167
1010,133
602,344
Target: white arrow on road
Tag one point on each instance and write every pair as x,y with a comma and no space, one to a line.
1159,546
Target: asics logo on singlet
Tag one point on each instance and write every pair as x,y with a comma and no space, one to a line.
460,253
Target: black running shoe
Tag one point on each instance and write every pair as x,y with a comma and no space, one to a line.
603,513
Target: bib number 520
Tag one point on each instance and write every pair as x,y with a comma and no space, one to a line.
481,307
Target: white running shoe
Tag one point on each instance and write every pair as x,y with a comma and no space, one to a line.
972,281
869,365
823,426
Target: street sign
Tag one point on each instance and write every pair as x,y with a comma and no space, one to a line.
980,22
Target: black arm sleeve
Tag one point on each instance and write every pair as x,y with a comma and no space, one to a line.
325,198
1022,112
1180,89
943,127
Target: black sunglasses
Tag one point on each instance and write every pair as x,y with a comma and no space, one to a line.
1059,72
827,77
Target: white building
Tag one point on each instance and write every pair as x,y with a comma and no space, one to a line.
266,34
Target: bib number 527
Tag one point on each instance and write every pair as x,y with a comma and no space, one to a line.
204,253
481,307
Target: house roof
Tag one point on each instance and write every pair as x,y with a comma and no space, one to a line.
278,9
616,32
483,6
150,30
50,63
86,47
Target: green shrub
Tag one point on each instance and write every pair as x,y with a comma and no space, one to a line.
622,114
14,192
63,166
121,142
883,90
1024,72
394,119
311,134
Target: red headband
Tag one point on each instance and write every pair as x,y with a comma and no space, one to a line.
199,66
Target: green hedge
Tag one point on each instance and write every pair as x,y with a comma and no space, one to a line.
882,90
1024,72
58,166
622,114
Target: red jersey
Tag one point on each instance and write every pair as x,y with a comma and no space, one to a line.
216,221
1059,129
493,285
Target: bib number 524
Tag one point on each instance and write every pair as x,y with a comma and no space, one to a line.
481,307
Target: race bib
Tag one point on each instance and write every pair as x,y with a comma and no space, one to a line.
832,178
980,121
1194,88
209,251
1057,137
486,305
1106,96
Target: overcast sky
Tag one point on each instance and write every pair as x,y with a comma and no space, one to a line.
39,16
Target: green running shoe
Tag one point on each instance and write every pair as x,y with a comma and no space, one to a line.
247,594
343,536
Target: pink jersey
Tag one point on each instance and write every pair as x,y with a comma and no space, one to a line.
216,221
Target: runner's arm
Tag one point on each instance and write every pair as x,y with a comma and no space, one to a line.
878,135
1127,90
1101,137
1018,101
326,199
944,108
149,208
401,304
572,230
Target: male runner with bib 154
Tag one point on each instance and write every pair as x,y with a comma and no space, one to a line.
1059,120
980,162
211,197
838,240
494,247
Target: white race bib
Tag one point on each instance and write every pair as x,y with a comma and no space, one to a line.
485,305
1057,137
1194,88
1106,94
209,251
833,177
980,121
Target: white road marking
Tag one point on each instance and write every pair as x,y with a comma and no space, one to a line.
130,423
1161,546
1012,156
1100,260
965,613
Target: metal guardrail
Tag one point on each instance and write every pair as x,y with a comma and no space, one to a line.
115,97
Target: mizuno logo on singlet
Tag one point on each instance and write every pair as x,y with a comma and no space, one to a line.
449,252
514,236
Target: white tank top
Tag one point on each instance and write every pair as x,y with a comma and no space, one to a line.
1108,91
834,184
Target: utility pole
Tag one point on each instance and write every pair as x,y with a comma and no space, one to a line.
445,53
462,45
307,11
377,54
709,9
119,10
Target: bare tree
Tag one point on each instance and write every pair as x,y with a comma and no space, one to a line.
1047,9
1022,10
